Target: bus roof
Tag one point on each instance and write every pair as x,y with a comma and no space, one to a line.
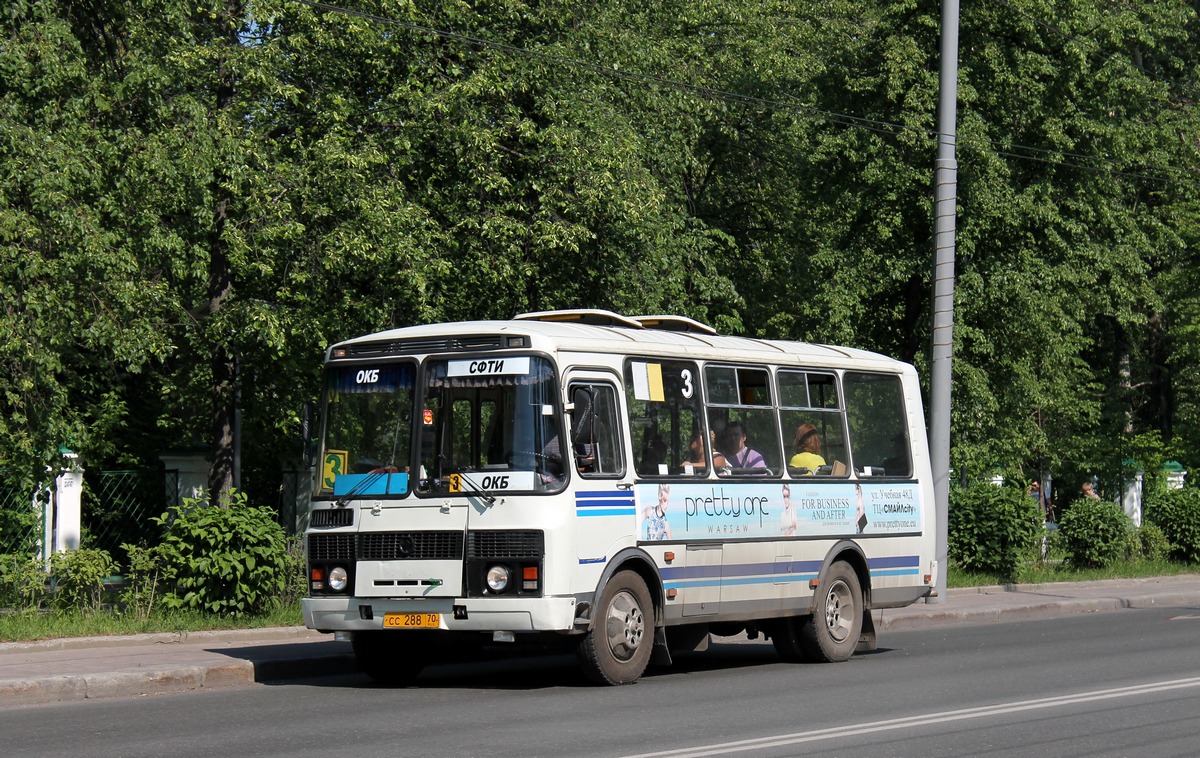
591,330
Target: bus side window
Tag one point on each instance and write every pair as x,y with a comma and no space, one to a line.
742,413
662,397
594,431
878,427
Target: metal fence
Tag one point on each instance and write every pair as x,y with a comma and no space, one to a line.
20,522
119,508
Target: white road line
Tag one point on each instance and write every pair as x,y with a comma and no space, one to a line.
909,722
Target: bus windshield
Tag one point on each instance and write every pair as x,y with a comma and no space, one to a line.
492,422
368,429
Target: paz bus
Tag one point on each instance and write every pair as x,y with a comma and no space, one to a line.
629,487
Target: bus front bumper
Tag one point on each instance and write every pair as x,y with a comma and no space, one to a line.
543,614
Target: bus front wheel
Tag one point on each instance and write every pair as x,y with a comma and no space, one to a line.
618,647
831,633
386,658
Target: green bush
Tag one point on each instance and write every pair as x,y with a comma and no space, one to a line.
1095,533
22,582
1150,543
295,571
78,576
993,529
1177,513
227,561
144,579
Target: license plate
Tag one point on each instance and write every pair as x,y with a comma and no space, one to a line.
412,621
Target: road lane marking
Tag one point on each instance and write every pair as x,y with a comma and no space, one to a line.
909,722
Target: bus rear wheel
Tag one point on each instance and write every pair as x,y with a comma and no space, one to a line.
831,633
618,647
386,658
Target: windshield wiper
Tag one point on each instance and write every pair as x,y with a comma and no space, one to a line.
361,487
372,476
476,490
471,487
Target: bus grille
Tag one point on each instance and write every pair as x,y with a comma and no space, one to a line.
331,517
424,345
508,544
397,546
330,547
394,546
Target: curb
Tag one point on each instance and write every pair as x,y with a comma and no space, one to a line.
1043,610
161,680
1037,607
214,636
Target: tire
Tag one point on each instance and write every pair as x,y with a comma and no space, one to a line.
617,648
388,657
831,633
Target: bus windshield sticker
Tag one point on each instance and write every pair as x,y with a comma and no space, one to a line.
383,379
332,466
379,483
489,367
489,482
648,382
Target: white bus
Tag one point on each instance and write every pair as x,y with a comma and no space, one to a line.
628,486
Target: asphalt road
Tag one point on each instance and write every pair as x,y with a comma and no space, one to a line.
1110,684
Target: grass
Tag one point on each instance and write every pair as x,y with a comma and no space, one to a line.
19,626
1057,570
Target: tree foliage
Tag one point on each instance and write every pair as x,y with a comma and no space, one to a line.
197,197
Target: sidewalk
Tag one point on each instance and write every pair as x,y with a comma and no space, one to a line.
96,667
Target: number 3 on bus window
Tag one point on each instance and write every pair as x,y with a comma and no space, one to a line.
686,376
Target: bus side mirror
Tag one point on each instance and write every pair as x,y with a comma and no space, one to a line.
583,417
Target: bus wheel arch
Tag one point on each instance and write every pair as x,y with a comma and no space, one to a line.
637,561
850,553
625,622
840,620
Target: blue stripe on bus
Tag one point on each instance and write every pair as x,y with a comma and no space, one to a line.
897,562
679,577
589,504
788,578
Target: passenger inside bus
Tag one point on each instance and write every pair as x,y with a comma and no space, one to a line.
698,455
736,452
807,460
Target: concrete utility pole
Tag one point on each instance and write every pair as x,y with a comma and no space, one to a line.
946,180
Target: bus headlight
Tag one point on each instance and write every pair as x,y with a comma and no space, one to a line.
338,579
497,578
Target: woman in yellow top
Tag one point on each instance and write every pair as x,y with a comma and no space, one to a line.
808,449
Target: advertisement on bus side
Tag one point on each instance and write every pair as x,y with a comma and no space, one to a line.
717,510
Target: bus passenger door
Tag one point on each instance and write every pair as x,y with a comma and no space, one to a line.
601,479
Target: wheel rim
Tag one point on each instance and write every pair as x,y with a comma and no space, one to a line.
625,627
839,610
